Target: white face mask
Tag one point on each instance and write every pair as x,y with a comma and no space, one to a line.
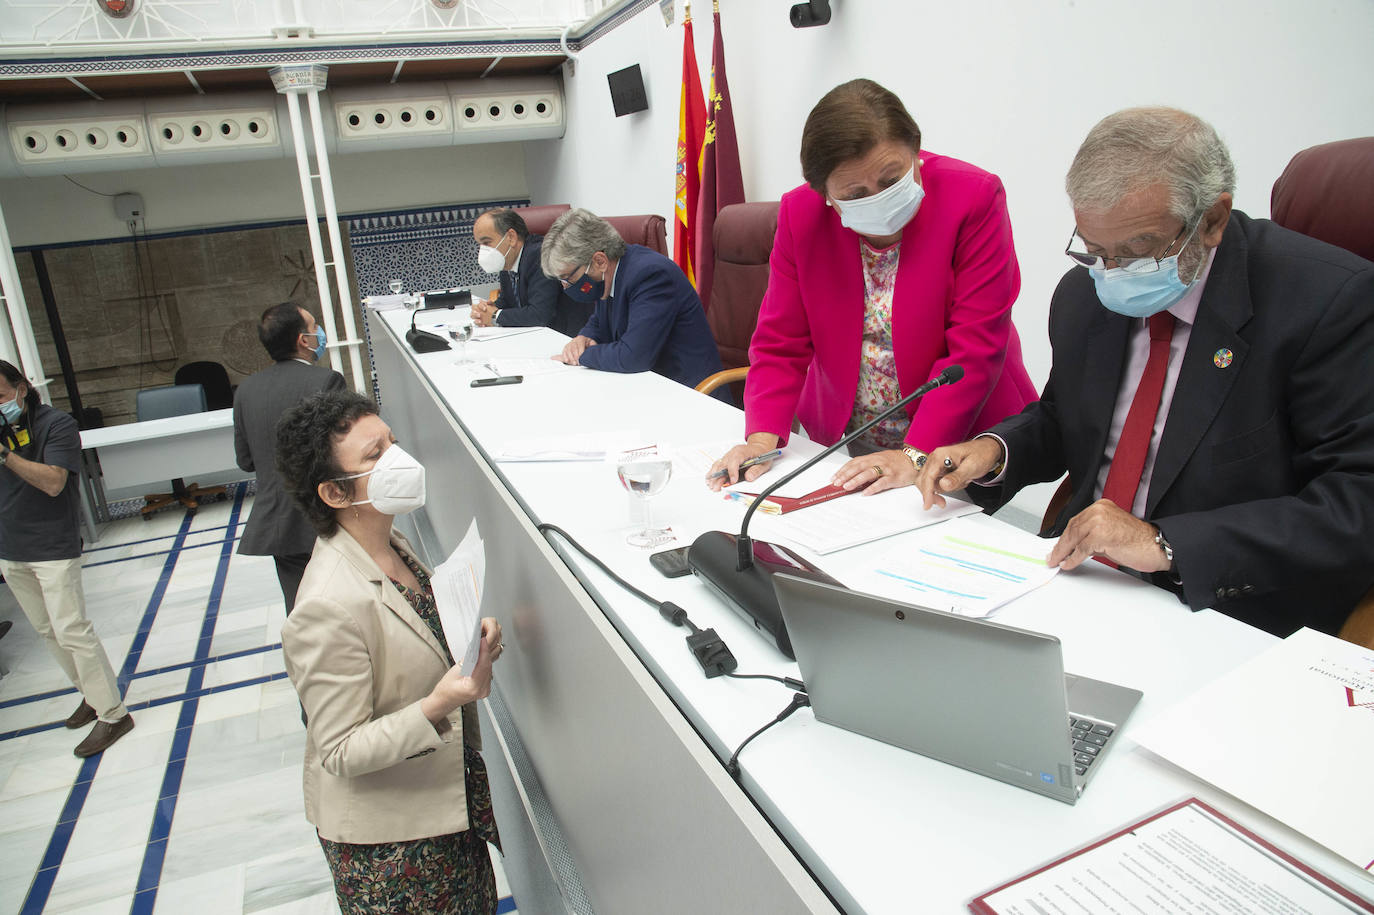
491,259
397,486
886,212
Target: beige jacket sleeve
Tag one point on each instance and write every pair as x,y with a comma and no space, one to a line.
328,659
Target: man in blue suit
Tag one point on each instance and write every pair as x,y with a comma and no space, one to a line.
647,316
526,298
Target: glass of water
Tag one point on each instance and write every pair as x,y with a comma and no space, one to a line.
645,472
395,286
460,332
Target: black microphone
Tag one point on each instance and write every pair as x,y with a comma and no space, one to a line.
423,341
741,571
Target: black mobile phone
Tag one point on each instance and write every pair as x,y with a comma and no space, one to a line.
499,379
671,563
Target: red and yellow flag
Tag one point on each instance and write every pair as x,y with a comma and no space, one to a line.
721,181
691,127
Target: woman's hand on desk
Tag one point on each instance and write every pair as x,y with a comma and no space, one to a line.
759,443
876,472
572,353
456,688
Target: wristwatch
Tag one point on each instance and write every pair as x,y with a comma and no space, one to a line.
1164,546
918,457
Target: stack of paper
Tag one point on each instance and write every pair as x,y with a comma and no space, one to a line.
457,585
1290,732
578,447
843,523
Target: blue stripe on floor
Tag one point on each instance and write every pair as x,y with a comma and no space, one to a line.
170,668
505,905
150,874
41,887
115,546
194,546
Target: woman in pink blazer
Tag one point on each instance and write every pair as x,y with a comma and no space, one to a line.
888,265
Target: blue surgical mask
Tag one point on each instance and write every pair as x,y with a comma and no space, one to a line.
11,410
1140,295
886,212
586,289
320,341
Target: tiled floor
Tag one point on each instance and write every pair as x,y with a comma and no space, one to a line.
199,808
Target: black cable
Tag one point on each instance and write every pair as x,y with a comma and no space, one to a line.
708,648
799,700
90,189
157,293
789,682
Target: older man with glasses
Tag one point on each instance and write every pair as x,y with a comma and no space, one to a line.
647,316
1210,395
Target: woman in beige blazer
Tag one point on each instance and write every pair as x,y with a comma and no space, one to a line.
394,783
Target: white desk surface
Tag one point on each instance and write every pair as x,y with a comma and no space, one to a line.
885,830
188,424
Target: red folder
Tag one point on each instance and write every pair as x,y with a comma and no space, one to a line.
781,505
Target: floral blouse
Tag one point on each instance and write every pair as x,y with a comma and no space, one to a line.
878,387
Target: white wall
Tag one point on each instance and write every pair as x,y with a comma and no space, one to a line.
1009,85
53,210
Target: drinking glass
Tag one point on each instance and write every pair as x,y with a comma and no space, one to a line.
395,286
460,332
644,473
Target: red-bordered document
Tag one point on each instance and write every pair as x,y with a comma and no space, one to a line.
1186,858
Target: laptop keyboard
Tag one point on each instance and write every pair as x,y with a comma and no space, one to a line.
1089,740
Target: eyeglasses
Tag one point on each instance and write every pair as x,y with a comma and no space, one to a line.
567,278
1132,265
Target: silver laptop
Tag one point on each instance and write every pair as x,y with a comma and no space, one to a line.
986,697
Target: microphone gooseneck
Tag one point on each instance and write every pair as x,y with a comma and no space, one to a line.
745,544
741,572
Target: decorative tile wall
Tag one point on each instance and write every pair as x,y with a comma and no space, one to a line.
426,249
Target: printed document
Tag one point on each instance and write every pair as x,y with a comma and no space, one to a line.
1189,858
1290,732
966,568
457,584
852,520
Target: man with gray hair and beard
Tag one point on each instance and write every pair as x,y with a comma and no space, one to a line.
1210,394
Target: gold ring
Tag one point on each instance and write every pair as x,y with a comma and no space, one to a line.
878,469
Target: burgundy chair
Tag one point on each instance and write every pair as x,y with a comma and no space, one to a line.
1327,192
743,240
538,219
649,231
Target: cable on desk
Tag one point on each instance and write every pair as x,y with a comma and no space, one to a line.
708,648
799,700
789,682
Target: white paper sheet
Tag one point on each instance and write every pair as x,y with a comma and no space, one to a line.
1290,732
1184,861
851,520
486,334
808,482
457,584
574,447
966,568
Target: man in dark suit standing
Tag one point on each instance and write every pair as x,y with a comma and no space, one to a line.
276,527
1210,395
527,298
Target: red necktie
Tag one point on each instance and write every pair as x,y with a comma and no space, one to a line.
1128,462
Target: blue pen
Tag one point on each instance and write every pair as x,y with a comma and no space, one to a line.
745,465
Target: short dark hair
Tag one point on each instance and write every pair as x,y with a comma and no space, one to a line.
15,377
505,219
306,438
279,328
847,123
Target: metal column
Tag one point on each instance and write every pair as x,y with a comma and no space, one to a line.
309,80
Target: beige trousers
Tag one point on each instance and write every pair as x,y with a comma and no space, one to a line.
51,596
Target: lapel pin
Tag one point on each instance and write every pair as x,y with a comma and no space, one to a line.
1222,358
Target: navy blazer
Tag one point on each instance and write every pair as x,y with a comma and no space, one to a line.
654,321
1264,479
536,300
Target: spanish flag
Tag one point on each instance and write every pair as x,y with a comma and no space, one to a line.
691,127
